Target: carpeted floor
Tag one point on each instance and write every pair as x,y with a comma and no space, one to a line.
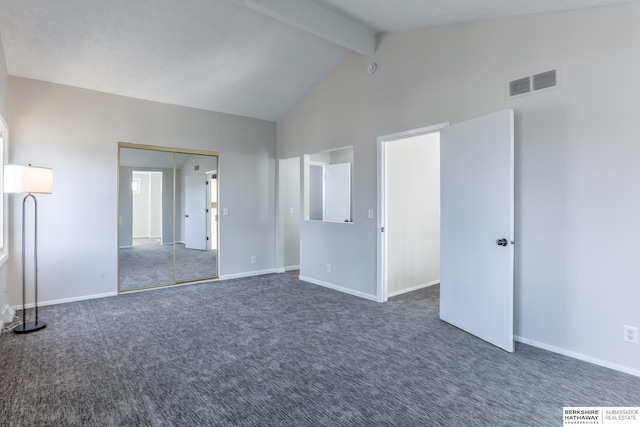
275,351
145,265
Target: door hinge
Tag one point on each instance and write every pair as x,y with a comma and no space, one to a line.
206,183
382,229
207,237
206,210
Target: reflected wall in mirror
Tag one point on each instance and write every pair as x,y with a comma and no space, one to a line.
146,235
197,251
168,223
328,180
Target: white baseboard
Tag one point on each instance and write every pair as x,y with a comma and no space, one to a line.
414,288
578,356
66,300
247,274
111,294
289,268
339,288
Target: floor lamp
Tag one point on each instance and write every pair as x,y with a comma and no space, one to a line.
31,180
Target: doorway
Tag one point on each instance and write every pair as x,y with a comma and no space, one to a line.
290,212
413,209
409,206
476,224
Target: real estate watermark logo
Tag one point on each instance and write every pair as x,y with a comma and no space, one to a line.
607,416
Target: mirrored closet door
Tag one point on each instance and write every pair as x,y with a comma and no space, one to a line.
167,219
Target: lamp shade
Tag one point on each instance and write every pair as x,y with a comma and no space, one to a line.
28,179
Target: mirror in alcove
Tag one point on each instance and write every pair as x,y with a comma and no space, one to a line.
328,180
167,219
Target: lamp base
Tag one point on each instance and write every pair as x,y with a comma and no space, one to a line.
29,327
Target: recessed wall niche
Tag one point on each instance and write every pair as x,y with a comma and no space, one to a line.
328,182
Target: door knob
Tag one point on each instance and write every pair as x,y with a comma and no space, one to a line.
501,242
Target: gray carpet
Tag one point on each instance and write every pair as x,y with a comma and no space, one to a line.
274,351
151,265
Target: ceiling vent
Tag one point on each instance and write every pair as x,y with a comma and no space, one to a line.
533,83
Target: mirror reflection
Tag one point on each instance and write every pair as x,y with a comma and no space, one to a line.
146,218
328,179
167,218
196,249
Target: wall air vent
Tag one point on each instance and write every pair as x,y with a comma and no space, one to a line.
544,80
533,83
520,86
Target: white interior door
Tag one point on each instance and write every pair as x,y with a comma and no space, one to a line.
476,270
337,192
196,212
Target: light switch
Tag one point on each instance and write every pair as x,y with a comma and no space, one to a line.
225,211
291,211
370,214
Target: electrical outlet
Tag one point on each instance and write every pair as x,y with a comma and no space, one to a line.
8,313
328,268
253,259
631,334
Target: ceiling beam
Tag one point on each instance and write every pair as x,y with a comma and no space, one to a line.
308,16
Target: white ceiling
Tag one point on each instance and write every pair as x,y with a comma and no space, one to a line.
253,58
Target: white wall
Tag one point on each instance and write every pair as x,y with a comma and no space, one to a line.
577,151
4,76
316,192
155,227
413,212
289,207
76,132
140,200
126,204
4,271
147,205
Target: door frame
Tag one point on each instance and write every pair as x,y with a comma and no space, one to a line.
382,290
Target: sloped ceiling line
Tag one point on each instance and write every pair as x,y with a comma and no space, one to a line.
308,16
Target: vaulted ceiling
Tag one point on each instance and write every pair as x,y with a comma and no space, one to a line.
253,58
